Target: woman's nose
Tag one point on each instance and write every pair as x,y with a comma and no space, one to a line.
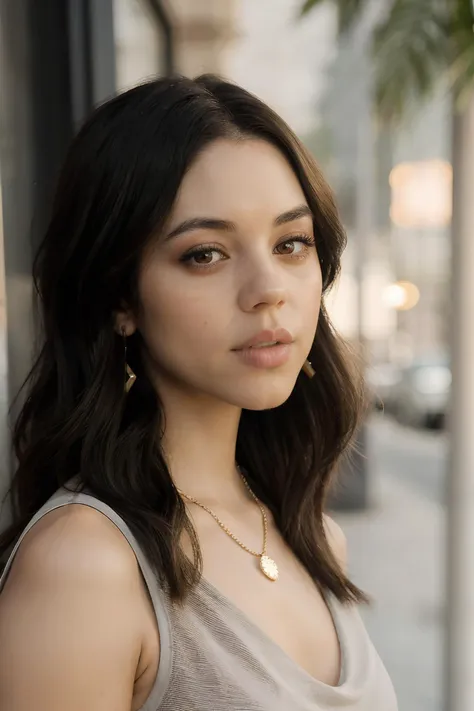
264,288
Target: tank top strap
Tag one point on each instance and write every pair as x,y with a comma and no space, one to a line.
68,497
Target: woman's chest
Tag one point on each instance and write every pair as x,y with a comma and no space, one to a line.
289,613
221,661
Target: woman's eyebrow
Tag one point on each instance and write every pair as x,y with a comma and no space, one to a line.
295,214
202,223
213,223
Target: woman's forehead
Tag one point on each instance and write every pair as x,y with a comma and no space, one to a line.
235,179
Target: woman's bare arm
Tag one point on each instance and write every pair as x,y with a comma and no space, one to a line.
71,617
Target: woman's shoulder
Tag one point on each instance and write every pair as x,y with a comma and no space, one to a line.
76,541
336,539
73,592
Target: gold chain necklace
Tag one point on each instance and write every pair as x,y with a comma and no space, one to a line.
268,566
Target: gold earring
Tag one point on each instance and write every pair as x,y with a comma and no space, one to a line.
130,376
308,369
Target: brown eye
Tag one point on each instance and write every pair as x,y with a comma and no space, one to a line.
203,257
286,247
297,247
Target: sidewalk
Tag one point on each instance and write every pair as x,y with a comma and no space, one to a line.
396,555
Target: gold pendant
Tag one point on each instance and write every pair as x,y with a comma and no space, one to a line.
268,567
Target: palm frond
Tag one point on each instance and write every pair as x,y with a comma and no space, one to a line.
348,11
461,68
308,5
412,48
417,44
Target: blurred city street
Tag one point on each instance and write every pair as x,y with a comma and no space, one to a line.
396,555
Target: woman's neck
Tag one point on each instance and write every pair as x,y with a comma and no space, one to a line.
199,444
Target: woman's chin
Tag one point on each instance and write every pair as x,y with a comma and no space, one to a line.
264,396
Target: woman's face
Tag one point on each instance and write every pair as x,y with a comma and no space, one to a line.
235,268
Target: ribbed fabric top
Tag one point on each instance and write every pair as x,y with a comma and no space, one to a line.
214,658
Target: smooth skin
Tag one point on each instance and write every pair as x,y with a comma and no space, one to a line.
75,617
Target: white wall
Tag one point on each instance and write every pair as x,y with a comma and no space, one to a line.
281,58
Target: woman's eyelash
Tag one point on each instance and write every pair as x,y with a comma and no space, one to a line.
306,239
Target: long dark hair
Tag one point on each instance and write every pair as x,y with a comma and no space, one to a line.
116,190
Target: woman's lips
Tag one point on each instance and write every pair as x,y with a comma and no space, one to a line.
265,356
266,338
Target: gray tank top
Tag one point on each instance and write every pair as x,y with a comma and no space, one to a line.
214,658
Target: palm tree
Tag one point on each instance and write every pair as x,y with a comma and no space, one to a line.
417,46
416,43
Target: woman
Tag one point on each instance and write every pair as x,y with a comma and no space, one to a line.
175,450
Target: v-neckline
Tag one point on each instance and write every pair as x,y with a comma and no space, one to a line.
343,651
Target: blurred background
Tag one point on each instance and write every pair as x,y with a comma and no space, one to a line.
381,92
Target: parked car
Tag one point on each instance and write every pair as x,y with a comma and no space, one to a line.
421,397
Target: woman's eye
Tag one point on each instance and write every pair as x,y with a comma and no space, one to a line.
288,247
203,257
209,256
297,246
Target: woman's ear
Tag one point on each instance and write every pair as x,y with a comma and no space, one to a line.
125,324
